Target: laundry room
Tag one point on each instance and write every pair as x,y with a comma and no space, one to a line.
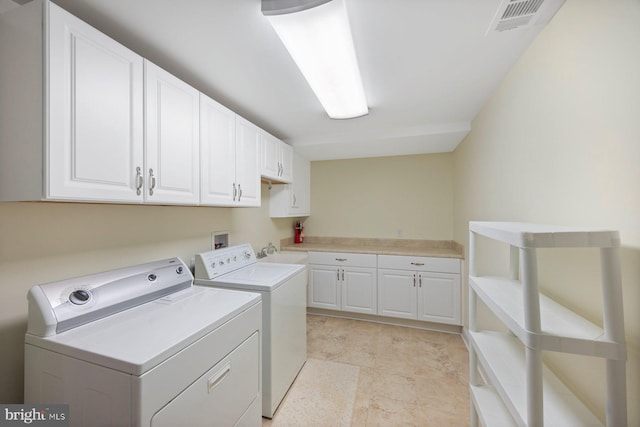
477,140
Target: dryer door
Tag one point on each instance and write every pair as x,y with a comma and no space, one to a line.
220,396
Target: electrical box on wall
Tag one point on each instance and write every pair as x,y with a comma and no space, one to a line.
219,239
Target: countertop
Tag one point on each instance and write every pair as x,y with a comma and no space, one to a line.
406,247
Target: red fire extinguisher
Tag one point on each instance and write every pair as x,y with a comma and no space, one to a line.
298,232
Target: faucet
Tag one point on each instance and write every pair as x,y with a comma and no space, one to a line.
270,249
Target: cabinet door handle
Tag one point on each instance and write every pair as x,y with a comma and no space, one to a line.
341,259
279,169
235,191
338,274
417,263
414,280
239,192
139,181
343,274
295,201
420,279
152,181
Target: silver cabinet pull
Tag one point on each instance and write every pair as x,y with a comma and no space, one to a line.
414,280
239,192
420,279
295,201
338,274
417,263
235,191
341,259
152,182
139,181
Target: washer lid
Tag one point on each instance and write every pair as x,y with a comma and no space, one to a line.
138,339
259,276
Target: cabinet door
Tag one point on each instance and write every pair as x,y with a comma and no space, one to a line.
217,153
172,149
323,287
301,187
359,290
269,156
247,165
439,298
286,162
397,293
95,114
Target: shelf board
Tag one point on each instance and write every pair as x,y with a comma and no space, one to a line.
503,359
491,410
524,235
562,329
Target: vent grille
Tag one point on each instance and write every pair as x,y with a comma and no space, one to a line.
515,14
519,8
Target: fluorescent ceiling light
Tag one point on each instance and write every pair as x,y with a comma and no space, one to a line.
319,41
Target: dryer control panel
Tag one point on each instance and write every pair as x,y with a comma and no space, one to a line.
59,306
212,264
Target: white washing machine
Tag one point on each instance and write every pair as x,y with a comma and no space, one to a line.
141,346
284,310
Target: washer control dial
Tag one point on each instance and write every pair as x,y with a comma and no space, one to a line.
80,297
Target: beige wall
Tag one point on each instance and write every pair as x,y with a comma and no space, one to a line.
559,142
43,242
377,197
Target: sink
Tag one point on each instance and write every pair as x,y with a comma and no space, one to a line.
286,258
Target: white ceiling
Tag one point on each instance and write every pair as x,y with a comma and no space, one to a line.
428,66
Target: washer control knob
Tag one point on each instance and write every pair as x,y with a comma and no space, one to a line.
80,297
152,277
247,254
180,270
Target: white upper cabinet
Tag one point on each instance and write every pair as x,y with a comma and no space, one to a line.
247,169
172,151
95,114
293,200
276,159
105,125
286,162
217,153
228,157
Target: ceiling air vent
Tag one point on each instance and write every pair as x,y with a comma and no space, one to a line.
515,14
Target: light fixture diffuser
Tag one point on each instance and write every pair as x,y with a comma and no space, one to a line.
318,37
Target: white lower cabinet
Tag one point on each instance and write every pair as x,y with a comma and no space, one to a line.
340,281
419,288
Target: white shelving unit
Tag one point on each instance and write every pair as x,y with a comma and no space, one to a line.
520,390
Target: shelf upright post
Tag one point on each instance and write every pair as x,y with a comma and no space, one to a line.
473,359
535,410
514,262
614,331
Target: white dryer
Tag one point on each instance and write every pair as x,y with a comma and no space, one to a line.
141,346
284,310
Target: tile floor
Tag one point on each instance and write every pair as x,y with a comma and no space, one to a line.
369,374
